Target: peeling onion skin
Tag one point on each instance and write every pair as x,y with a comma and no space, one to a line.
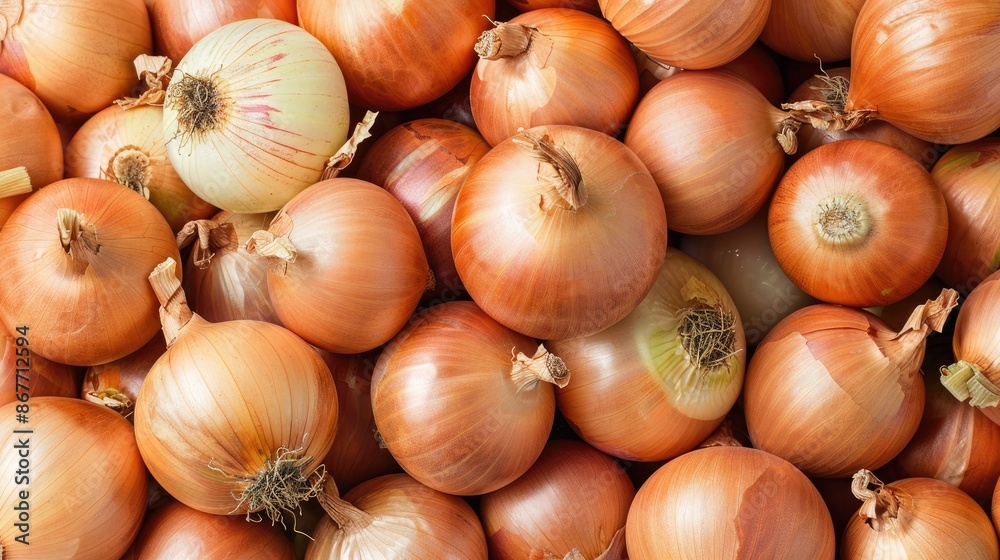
750,504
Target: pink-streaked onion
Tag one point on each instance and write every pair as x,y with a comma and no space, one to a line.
179,24
811,29
23,372
574,498
729,502
424,163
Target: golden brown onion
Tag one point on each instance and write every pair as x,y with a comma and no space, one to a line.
28,135
23,372
179,24
811,29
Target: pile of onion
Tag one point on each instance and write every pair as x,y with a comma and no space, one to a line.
845,210
398,55
73,264
903,56
75,485
558,232
677,360
223,281
179,24
462,402
22,371
346,266
916,518
715,146
236,416
833,389
540,513
253,113
552,66
976,344
728,502
74,54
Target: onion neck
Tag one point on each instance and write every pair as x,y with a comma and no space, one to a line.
880,507
906,348
111,398
345,155
76,239
279,252
344,514
616,549
212,238
505,40
174,310
842,220
14,182
130,167
566,179
965,380
527,372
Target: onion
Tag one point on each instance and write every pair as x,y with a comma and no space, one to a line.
116,384
757,66
589,6
715,146
690,34
728,502
127,147
75,484
395,516
252,114
73,262
844,210
179,24
74,54
22,371
455,106
346,265
558,232
177,531
223,281
743,261
916,518
677,360
398,55
355,455
28,135
463,403
424,163
903,56
832,389
811,29
976,343
552,66
540,513
810,138
235,417
969,177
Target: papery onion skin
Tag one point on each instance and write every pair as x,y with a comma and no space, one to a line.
447,407
845,210
743,261
398,55
573,497
639,391
969,177
42,378
131,142
177,531
540,268
689,34
234,285
729,502
903,53
74,55
116,384
408,520
355,455
179,24
85,483
976,344
832,389
935,520
709,140
424,163
574,70
83,308
360,270
807,30
278,112
28,135
811,137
